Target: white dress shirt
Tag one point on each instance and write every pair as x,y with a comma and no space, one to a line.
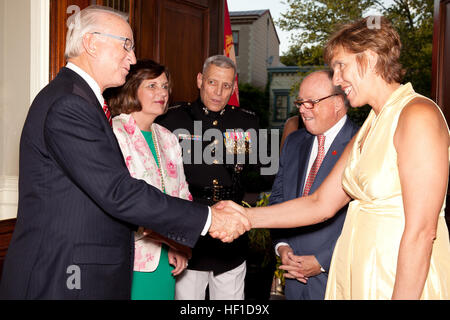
330,135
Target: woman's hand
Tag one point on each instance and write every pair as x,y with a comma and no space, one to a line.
178,260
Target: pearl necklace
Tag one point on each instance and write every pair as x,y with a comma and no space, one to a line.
159,161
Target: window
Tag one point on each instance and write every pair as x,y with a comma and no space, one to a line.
281,105
281,108
236,42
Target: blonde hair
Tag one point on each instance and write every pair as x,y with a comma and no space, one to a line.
359,36
83,22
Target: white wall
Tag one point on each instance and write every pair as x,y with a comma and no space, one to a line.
243,60
259,51
2,76
24,71
274,46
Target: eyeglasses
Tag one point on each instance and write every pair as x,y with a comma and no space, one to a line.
128,44
309,104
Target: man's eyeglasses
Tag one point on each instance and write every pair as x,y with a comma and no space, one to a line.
309,104
128,44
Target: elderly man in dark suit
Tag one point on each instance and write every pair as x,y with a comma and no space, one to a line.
78,205
307,157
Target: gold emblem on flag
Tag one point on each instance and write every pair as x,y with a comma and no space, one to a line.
228,44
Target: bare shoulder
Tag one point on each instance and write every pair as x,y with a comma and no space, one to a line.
423,113
421,108
421,117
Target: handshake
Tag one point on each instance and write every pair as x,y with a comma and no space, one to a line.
228,221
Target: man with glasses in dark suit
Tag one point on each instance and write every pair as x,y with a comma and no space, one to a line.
307,157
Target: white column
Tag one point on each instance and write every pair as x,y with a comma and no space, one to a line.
24,64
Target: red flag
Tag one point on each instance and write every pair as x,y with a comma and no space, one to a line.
228,46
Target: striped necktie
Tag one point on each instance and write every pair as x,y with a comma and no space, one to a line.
107,113
316,165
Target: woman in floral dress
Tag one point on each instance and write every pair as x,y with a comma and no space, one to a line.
152,153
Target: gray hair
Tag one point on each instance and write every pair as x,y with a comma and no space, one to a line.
83,22
220,61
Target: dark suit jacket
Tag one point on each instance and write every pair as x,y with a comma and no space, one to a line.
78,205
318,240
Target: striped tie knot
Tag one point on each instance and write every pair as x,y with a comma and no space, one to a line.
107,113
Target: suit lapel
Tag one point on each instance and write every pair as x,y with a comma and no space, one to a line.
81,88
333,154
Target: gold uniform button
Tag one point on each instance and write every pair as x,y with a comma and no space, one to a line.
215,182
215,122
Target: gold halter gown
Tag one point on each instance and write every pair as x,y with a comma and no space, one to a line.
365,257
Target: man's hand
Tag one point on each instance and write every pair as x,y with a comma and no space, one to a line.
291,267
298,267
228,221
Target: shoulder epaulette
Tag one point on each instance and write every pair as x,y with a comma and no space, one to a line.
248,111
176,106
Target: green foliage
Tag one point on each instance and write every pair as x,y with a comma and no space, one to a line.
317,19
358,115
413,20
260,241
278,272
303,56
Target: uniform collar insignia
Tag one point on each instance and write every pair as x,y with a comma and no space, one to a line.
207,112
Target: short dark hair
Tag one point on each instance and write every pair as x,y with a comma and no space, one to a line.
124,99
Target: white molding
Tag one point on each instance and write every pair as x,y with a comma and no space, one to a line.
39,45
9,194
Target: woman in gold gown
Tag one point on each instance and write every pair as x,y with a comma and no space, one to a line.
395,242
